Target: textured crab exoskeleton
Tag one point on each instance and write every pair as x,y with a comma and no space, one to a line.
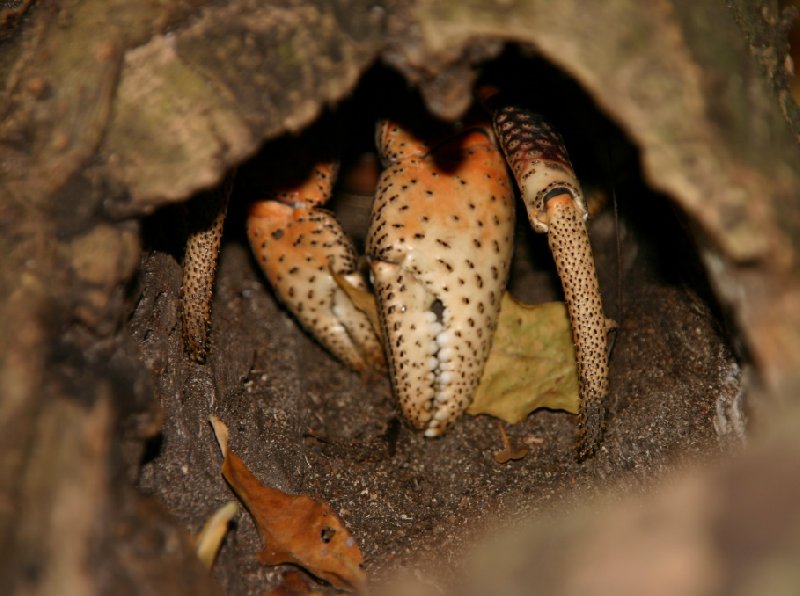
300,247
555,205
206,220
440,243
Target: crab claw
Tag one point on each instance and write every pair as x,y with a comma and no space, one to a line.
439,243
552,195
300,247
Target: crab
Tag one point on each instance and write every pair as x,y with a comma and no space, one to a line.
439,248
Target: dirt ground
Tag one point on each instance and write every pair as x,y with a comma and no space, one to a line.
305,424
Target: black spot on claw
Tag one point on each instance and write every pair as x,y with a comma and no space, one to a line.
437,308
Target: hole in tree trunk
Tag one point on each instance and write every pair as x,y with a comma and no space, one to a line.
306,424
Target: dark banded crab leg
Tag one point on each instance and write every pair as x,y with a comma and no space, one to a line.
299,247
440,245
555,205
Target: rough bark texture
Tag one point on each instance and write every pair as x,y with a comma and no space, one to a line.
112,109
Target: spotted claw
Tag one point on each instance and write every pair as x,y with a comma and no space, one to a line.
552,195
299,247
440,242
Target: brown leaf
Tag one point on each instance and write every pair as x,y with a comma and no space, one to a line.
508,453
531,364
294,583
294,528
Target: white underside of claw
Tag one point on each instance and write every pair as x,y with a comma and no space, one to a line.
440,248
437,344
412,337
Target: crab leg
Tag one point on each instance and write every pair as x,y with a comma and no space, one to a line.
440,242
555,205
206,216
300,247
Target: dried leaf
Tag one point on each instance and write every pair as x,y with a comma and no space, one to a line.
363,300
294,528
508,453
531,365
214,530
294,583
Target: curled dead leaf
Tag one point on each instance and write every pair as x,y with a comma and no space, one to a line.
210,537
294,529
508,453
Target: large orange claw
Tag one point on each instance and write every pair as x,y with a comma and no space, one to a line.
299,247
440,242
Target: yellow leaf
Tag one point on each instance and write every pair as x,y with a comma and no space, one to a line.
531,365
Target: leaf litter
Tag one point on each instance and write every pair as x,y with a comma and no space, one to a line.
531,365
294,529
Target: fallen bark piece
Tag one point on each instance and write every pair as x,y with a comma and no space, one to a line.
210,537
295,529
531,364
